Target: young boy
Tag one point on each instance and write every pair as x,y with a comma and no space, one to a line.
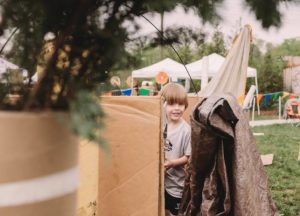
177,145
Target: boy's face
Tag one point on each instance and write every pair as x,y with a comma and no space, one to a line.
174,111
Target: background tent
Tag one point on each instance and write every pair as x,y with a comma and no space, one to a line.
209,66
5,65
215,62
231,77
173,68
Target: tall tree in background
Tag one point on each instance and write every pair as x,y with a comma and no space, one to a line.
216,45
270,73
185,41
255,61
289,47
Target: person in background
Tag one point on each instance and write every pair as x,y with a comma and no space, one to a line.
177,137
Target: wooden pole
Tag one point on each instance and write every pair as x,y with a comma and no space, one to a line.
253,108
279,107
162,35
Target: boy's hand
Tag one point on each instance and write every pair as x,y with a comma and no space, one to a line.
176,162
168,164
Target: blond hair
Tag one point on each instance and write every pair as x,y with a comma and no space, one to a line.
173,93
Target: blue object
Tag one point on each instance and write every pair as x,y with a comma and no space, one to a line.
126,92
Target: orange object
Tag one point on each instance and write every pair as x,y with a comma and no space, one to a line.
241,100
107,93
293,110
162,77
259,97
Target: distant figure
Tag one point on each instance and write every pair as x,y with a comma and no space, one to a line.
177,137
149,86
135,89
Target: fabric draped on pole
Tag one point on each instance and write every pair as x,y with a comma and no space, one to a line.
232,75
215,62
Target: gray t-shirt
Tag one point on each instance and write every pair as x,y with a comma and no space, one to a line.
177,144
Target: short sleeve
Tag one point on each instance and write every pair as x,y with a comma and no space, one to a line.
187,142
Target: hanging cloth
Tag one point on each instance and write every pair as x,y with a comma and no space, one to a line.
225,174
233,72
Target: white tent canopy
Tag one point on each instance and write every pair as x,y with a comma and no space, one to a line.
208,66
5,65
176,70
215,62
173,68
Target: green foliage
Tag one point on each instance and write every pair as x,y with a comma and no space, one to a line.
217,45
270,65
270,73
255,61
27,17
185,52
4,89
87,116
283,141
205,8
266,11
289,47
255,56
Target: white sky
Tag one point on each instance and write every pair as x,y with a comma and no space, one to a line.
233,12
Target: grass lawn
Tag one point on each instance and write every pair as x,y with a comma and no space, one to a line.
263,117
284,174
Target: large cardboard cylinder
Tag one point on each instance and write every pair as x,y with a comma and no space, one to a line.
39,165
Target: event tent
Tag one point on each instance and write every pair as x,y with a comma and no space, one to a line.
215,62
210,65
174,69
5,65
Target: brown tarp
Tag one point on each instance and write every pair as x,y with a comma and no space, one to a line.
225,175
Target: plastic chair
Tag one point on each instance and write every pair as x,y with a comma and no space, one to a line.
293,112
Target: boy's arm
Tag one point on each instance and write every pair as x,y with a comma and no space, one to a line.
176,162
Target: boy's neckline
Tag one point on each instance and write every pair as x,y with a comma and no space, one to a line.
175,126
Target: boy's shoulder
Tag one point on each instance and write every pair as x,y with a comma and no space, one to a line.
186,127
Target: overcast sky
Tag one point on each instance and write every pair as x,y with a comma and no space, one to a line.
233,12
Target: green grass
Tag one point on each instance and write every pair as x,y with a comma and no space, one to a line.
284,174
263,117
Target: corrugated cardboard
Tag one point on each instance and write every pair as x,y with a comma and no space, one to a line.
267,159
131,182
193,101
89,169
36,145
